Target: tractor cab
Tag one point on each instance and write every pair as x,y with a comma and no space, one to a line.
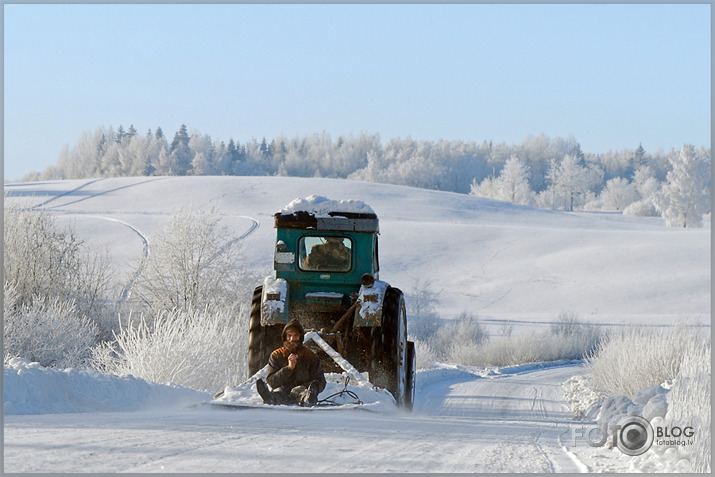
322,259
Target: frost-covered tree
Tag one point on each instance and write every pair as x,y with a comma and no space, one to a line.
43,260
222,160
647,188
685,196
45,264
618,194
201,148
194,262
645,183
568,183
180,160
513,182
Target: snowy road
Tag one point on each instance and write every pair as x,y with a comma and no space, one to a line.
463,422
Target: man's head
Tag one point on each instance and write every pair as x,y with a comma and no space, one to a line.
293,336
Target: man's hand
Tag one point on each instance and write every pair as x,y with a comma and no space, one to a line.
292,360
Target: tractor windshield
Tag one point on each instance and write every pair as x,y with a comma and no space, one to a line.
331,254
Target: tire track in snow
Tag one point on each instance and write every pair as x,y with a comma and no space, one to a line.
97,194
65,194
526,397
126,290
255,224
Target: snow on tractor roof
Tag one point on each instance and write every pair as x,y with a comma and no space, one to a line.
320,206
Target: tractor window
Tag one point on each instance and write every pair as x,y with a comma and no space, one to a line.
331,254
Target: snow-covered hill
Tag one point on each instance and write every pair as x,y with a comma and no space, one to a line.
504,262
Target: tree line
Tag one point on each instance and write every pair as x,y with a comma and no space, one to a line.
540,171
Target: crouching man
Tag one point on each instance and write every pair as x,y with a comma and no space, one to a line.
294,372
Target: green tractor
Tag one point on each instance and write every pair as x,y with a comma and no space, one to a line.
326,276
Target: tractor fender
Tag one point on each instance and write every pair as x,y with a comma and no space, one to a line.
274,301
371,299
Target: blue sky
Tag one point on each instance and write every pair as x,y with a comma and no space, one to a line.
612,76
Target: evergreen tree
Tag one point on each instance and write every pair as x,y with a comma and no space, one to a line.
639,157
120,134
180,138
233,152
265,149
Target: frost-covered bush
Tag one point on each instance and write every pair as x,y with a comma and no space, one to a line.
449,341
682,402
45,262
204,350
49,332
641,208
568,338
631,359
426,356
689,404
460,340
466,341
195,262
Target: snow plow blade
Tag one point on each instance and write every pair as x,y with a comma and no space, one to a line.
347,390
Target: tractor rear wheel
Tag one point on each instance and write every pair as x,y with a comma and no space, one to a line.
411,375
388,367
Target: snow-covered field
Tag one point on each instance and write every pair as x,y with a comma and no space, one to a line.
505,262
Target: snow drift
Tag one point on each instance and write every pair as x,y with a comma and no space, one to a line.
29,388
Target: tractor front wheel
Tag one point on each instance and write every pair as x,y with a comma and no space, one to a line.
262,340
256,335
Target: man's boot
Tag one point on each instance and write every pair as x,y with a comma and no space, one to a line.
265,393
309,397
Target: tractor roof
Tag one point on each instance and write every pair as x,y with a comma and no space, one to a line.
339,222
320,213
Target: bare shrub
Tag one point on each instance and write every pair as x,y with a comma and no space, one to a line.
204,350
422,299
